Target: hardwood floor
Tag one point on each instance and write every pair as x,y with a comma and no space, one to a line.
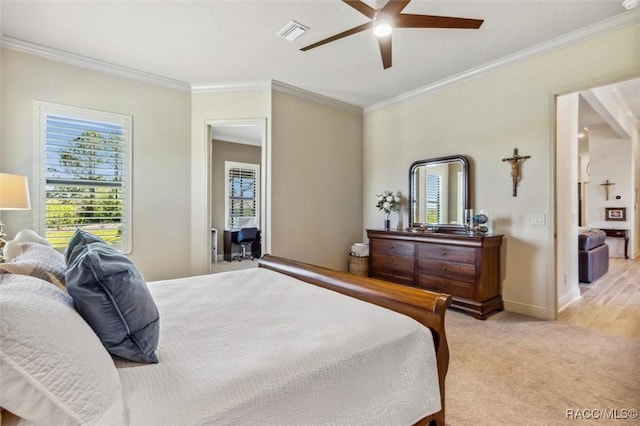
612,303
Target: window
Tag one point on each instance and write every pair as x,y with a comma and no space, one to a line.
86,175
434,188
242,193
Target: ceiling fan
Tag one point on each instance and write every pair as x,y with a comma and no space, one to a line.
384,20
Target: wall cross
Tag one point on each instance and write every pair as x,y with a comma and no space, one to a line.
606,186
515,162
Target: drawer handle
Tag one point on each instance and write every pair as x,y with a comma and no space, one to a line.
444,253
444,268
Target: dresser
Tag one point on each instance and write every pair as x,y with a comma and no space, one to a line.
467,267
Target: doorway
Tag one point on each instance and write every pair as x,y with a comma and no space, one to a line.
233,143
596,144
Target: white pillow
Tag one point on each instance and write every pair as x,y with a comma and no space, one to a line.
40,261
12,249
54,369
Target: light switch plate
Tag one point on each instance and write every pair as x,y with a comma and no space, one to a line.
537,219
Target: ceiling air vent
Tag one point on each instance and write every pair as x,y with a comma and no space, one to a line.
292,31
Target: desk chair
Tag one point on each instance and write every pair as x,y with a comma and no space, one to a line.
246,237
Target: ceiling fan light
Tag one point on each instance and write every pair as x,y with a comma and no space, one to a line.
630,4
382,29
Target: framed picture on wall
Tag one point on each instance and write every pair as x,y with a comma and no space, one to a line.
616,213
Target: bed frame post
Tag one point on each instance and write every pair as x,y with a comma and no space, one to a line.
424,306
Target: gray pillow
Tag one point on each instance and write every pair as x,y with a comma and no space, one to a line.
81,238
112,296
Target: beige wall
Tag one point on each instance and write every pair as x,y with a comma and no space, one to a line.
485,118
226,151
219,108
160,149
316,181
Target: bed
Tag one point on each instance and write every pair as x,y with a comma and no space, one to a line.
279,344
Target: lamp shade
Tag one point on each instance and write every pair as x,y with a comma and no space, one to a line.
14,192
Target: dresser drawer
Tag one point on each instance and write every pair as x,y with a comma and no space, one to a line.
443,285
398,248
393,268
447,253
451,270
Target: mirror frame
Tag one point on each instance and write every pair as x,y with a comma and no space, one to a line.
465,196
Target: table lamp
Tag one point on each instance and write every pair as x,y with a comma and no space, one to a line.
14,195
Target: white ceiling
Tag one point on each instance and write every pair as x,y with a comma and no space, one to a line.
249,134
628,95
218,42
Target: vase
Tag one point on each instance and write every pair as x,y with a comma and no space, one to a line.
387,222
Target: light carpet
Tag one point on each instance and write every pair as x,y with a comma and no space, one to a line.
514,370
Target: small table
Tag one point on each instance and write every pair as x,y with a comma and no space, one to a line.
620,233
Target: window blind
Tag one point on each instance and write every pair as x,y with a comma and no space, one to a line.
434,185
84,172
242,193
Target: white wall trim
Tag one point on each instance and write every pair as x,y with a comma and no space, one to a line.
526,309
568,299
276,86
599,28
265,185
93,64
324,100
236,86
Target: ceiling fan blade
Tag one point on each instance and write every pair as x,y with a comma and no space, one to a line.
430,21
394,7
343,34
385,50
361,7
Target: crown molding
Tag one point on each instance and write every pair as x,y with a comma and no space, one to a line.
599,28
93,64
101,66
276,86
230,86
311,96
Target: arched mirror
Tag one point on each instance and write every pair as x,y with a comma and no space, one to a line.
439,192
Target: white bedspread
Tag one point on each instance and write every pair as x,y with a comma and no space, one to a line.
254,347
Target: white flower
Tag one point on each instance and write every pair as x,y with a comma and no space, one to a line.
388,201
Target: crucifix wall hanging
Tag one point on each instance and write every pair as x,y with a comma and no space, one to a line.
515,162
606,186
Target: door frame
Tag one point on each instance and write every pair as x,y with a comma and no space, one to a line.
265,177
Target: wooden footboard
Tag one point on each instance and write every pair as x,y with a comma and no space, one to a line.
426,307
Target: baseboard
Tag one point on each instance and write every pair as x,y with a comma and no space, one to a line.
569,298
525,309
